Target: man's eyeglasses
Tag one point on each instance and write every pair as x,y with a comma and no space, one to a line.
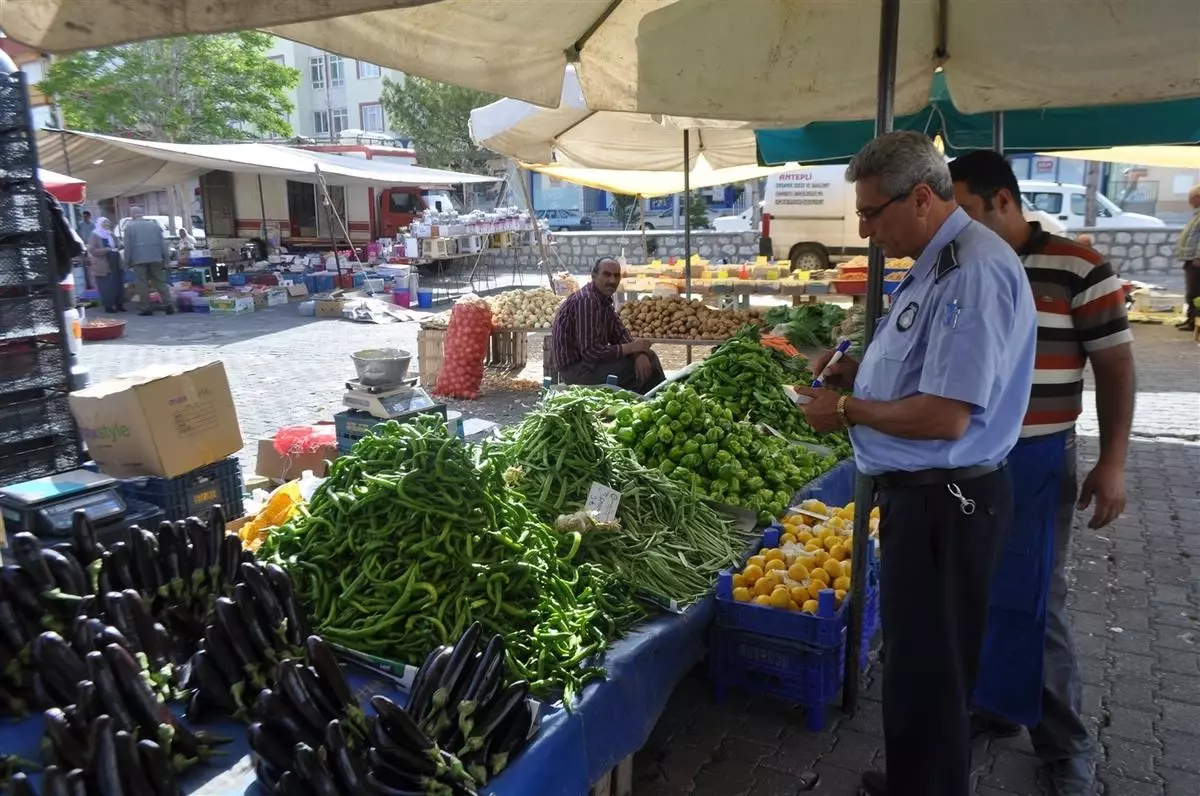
869,213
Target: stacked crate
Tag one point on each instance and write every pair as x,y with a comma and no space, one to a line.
37,434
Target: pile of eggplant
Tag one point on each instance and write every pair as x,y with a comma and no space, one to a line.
311,735
249,636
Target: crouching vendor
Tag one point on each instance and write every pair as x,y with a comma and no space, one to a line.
590,343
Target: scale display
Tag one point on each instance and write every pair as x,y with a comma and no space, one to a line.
47,505
391,404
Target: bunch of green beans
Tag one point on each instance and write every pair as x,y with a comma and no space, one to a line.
670,545
408,541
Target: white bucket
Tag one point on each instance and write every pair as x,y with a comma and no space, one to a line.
454,424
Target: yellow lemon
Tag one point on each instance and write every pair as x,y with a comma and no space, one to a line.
821,576
762,599
821,556
815,506
780,597
849,508
841,584
738,580
839,595
832,541
793,605
776,564
834,568
774,577
763,586
774,554
809,607
752,573
837,552
875,513
813,546
798,572
804,537
756,561
815,587
741,594
788,538
847,567
824,533
799,593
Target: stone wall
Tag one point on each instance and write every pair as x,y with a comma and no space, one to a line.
577,251
1137,251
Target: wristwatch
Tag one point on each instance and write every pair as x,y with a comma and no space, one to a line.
841,411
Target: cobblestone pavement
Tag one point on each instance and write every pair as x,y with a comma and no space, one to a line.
1135,600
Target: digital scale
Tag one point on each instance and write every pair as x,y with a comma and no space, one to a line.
391,401
47,506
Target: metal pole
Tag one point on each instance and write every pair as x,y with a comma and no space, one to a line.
687,225
537,230
889,23
998,131
262,207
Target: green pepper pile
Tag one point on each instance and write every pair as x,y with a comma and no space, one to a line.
409,540
697,442
668,546
747,379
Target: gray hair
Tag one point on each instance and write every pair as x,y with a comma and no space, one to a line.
902,160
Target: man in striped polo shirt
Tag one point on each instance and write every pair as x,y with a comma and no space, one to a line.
1029,674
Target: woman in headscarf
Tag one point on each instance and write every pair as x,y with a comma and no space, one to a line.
106,266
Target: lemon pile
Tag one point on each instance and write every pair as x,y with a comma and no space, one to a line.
812,555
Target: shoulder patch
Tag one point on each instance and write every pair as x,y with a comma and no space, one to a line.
946,262
904,320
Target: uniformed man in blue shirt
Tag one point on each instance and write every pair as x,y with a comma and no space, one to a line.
937,405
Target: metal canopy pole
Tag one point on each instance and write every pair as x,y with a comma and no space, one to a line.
687,225
998,131
889,24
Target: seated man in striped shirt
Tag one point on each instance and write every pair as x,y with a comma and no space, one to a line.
1028,673
590,343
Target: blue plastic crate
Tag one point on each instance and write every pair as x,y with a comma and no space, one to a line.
194,493
359,280
351,426
319,283
237,280
795,673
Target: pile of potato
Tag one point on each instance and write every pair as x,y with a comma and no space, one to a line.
679,318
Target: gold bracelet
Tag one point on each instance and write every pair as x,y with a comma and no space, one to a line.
841,411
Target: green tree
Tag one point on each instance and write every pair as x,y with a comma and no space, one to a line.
627,210
196,89
698,212
436,117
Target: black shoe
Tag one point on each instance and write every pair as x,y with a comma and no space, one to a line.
1186,326
146,313
1074,776
170,310
874,783
992,728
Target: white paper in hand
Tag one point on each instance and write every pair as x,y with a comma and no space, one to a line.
602,502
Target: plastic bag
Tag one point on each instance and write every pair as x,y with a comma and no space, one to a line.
466,348
294,440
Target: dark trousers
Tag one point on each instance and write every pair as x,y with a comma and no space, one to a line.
623,368
1191,289
112,289
936,570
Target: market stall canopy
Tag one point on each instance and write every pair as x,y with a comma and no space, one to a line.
573,135
119,166
1091,127
653,183
760,60
63,188
1172,157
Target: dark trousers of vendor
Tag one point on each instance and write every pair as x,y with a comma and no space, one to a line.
1029,674
937,559
623,368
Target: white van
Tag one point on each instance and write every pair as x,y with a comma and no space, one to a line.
1066,202
812,221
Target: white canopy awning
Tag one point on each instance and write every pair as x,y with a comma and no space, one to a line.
572,135
120,166
1172,157
655,183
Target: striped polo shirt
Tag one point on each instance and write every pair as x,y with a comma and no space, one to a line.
1080,308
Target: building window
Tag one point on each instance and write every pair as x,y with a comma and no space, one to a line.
320,122
371,114
277,59
341,120
316,69
367,71
337,71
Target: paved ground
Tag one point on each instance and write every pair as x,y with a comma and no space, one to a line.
1135,600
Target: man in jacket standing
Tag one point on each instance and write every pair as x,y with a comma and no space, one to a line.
146,253
1187,251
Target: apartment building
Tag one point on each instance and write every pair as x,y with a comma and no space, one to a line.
34,65
334,94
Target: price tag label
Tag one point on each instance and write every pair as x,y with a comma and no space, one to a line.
602,502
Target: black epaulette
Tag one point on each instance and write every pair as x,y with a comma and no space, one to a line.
947,261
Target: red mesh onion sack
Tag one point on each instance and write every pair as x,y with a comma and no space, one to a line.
466,347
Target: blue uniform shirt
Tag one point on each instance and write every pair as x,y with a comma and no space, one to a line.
962,326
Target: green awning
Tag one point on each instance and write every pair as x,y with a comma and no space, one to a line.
1175,122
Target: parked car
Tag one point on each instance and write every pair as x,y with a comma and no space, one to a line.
170,230
565,220
1067,202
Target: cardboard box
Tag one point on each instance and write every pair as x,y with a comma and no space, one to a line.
281,468
329,307
231,305
164,420
297,291
276,296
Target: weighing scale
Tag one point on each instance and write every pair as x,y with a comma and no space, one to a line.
391,401
46,506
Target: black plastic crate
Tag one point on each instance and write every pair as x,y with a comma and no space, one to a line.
20,209
25,265
26,312
36,458
192,493
32,414
31,363
14,102
18,156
